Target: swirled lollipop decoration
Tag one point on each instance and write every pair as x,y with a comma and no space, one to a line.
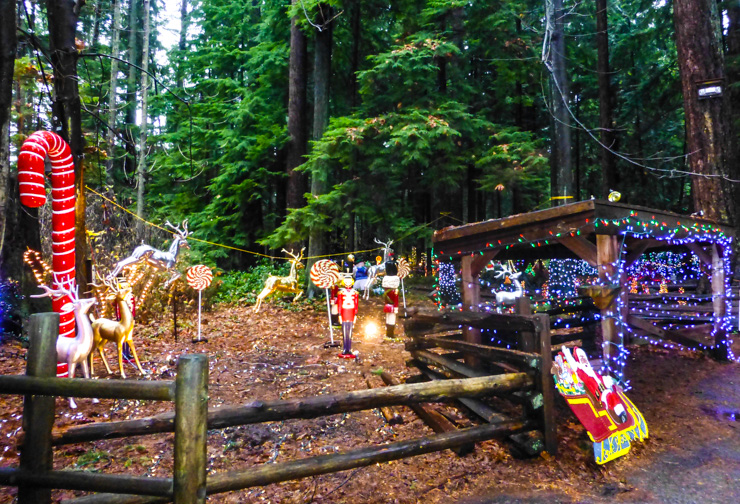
33,194
404,269
325,274
199,278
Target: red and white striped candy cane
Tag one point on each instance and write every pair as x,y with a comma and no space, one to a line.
33,194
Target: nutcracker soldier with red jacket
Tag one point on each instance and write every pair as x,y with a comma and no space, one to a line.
391,283
348,301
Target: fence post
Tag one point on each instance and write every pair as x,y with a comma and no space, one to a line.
526,340
38,411
191,409
545,383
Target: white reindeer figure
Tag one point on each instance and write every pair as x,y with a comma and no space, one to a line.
504,298
377,270
75,350
158,259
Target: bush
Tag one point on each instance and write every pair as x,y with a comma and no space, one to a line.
10,310
244,286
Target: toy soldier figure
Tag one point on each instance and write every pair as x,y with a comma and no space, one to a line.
390,296
348,301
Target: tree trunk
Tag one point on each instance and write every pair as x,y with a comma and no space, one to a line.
141,165
182,45
356,44
561,165
113,93
297,116
130,160
699,45
96,26
7,62
322,77
66,110
606,102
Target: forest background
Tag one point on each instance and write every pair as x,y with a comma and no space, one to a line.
274,124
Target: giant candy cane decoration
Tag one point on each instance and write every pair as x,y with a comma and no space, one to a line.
33,194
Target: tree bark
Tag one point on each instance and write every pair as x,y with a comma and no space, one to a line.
297,116
141,165
130,161
182,44
606,101
113,93
66,110
700,58
8,46
322,77
561,164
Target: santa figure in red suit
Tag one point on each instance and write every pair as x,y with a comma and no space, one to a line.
348,301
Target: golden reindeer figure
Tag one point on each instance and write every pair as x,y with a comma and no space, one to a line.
120,332
283,284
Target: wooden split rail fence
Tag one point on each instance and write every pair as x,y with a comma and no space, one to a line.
441,348
191,419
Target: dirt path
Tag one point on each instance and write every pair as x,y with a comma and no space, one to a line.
692,455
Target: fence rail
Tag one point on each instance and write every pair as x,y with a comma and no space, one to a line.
35,478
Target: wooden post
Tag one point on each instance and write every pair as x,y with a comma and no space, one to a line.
191,408
545,383
719,303
38,411
525,339
471,268
606,256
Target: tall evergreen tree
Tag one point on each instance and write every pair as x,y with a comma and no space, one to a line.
7,63
700,59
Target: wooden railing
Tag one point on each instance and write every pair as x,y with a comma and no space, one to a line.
492,356
191,418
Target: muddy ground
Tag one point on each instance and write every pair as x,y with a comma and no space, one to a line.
691,404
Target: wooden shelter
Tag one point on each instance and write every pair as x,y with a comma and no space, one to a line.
610,237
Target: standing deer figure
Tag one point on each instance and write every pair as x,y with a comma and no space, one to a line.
120,332
504,298
75,350
377,270
158,259
283,284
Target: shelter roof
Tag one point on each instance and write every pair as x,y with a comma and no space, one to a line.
558,231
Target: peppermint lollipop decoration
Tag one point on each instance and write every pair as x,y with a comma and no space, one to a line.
199,278
325,274
404,268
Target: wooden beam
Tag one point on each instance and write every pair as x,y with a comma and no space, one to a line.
705,258
471,300
191,410
721,345
580,247
607,254
304,407
528,360
390,413
545,384
636,251
38,411
457,368
661,333
82,387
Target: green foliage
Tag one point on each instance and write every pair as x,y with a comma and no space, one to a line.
243,286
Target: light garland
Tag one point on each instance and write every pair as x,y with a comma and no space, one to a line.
659,230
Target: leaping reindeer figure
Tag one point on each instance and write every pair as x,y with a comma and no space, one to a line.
75,350
377,270
158,259
283,284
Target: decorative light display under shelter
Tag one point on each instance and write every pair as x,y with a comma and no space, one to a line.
652,228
